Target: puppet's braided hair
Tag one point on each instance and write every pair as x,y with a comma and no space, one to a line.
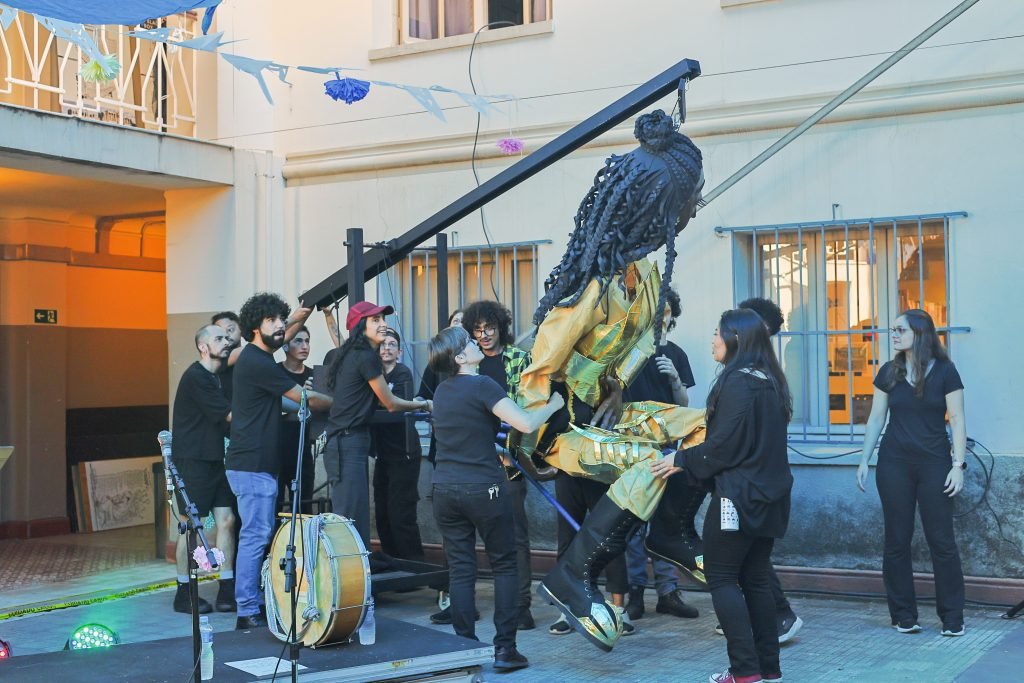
631,210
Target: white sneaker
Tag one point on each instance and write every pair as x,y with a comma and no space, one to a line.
627,626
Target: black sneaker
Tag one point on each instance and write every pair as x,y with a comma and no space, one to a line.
789,625
526,622
907,626
183,603
635,606
251,622
953,630
444,617
560,627
628,628
509,659
226,596
673,603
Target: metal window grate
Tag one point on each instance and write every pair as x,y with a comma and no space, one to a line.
505,272
840,284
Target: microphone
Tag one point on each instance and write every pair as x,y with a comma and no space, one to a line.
164,437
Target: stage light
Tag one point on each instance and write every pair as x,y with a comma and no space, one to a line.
5,649
91,636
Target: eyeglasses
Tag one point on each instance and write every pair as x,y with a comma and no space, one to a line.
899,331
489,331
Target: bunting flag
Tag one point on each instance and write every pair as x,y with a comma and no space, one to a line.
255,68
66,21
7,15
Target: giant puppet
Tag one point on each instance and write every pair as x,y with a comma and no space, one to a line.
598,322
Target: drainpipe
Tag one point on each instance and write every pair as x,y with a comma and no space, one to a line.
838,100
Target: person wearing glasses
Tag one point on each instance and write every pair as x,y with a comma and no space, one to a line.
471,494
490,324
916,470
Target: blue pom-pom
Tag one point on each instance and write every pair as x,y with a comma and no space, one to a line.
348,89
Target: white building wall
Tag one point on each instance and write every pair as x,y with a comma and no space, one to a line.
939,132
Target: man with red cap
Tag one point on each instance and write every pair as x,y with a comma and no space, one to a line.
355,375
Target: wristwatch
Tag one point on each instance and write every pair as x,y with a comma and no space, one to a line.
961,465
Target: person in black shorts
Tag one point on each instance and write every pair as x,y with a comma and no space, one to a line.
253,459
296,352
199,425
470,490
915,470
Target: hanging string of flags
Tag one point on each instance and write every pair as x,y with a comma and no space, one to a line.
66,21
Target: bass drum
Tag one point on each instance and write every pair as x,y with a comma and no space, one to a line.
334,580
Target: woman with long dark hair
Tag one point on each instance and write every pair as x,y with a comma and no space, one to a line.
356,376
744,459
917,389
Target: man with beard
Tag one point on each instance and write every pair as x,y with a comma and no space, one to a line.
199,425
253,460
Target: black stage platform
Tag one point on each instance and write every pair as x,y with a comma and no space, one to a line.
402,651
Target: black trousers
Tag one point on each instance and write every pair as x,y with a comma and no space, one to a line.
517,489
737,566
347,461
578,496
396,478
462,511
284,481
904,486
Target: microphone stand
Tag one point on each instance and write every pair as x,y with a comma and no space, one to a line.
193,527
291,584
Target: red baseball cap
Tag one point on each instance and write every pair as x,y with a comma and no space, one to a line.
364,309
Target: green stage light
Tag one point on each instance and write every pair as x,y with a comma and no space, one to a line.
91,636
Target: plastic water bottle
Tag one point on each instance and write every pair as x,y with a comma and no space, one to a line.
368,629
206,656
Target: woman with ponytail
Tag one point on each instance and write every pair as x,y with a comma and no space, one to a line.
356,377
916,470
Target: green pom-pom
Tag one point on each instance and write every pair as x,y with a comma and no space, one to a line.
100,69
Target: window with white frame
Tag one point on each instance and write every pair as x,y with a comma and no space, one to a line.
840,285
433,19
501,272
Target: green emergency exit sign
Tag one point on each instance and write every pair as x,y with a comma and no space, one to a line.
46,316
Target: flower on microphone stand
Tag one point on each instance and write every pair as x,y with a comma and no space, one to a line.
203,562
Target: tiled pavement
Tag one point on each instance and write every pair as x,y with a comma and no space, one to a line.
842,640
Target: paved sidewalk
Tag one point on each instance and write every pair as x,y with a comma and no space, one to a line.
842,640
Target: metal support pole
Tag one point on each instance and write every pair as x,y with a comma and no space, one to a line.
840,99
354,242
442,281
336,286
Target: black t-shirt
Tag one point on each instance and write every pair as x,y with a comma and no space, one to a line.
494,367
199,424
397,438
464,427
653,385
227,377
917,426
288,438
256,412
353,397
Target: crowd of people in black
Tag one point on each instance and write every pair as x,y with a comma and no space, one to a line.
236,434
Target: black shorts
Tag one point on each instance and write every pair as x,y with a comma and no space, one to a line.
205,483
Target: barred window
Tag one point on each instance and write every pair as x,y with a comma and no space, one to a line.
501,272
840,285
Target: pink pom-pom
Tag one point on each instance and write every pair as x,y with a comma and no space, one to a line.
511,145
203,562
